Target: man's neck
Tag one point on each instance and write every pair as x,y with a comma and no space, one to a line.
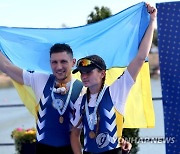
64,81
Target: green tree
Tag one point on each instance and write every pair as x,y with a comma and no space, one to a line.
95,16
98,14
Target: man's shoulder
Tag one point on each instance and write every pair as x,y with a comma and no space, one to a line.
35,75
78,83
77,88
77,80
38,73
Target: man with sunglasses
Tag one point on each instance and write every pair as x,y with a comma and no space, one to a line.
55,94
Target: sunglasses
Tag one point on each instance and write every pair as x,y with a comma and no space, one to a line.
87,62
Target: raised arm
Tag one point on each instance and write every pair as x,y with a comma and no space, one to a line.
144,48
11,70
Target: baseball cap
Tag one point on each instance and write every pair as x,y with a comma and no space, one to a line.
89,63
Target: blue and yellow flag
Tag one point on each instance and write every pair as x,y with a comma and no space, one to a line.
115,39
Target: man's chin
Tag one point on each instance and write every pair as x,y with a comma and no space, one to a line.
61,78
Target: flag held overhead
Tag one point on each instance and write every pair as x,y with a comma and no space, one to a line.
116,39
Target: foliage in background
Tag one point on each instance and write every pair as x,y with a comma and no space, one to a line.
21,136
99,14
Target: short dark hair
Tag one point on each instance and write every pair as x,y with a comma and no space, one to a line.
58,47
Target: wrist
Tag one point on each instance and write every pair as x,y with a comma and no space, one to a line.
152,22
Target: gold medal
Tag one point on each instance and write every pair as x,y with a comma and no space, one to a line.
61,119
92,134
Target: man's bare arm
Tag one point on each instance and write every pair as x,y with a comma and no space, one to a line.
11,70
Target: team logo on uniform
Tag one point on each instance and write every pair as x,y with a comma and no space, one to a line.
102,140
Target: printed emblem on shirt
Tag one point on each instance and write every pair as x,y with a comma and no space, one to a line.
102,140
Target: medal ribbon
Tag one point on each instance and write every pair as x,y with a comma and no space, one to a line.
67,99
94,116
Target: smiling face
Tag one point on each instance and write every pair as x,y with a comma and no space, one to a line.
93,79
61,65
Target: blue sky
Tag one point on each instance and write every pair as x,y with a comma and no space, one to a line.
55,13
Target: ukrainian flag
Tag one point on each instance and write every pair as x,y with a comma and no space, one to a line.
115,39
